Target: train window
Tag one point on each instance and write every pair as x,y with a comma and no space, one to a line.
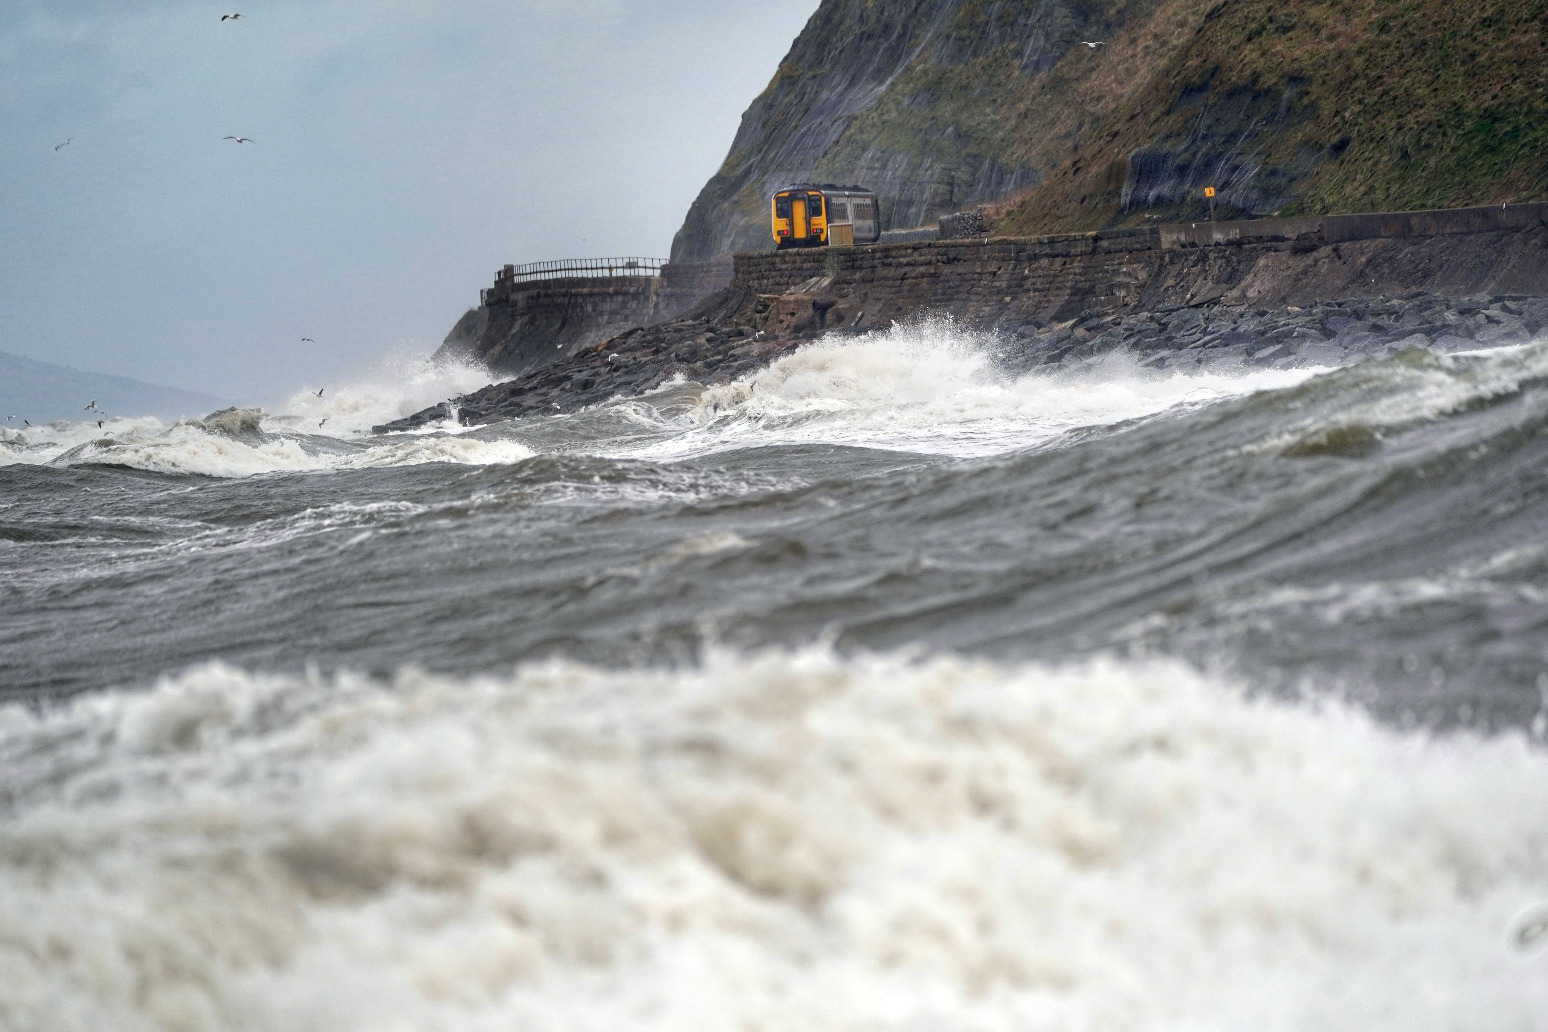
840,212
814,205
782,206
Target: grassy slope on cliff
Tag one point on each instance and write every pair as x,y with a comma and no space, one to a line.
1381,105
997,103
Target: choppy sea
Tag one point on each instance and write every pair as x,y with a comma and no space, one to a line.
882,690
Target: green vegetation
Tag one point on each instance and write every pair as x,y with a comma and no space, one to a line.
1406,105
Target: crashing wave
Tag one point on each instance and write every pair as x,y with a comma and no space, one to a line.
783,841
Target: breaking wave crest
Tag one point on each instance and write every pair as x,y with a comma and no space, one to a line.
311,434
929,387
776,841
211,447
401,386
932,386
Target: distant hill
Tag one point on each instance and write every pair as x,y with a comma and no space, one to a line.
43,392
1314,107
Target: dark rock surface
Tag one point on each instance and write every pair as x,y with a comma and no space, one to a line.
738,336
723,340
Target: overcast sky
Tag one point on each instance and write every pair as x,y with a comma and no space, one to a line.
403,150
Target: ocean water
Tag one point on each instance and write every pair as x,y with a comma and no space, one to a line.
882,690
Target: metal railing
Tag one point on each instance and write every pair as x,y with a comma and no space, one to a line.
588,268
571,268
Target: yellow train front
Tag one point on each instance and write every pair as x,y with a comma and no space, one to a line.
819,216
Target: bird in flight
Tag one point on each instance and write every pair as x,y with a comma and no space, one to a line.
62,146
93,406
320,425
99,424
1531,930
308,340
320,390
239,139
230,17
1093,46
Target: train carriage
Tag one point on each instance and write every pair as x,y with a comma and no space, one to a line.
811,215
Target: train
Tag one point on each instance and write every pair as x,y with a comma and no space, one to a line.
822,215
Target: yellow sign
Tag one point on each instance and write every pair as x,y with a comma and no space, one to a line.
1209,191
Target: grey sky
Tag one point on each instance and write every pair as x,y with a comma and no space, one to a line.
403,150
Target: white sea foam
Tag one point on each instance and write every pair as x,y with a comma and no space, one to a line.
1415,387
931,386
36,445
786,841
311,434
196,448
401,386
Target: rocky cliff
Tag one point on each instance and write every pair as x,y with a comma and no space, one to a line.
934,104
1306,108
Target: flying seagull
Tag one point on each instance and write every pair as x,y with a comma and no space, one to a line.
308,340
99,424
62,146
239,139
1093,46
230,17
320,390
1531,930
320,425
92,407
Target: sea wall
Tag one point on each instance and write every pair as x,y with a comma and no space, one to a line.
523,326
685,284
1043,280
535,324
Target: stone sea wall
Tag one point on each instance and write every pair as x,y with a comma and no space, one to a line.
1045,280
522,327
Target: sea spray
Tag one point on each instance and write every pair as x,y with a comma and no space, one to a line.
786,840
311,433
932,386
401,385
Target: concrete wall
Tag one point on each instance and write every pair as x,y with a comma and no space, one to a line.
1038,281
685,284
532,325
523,326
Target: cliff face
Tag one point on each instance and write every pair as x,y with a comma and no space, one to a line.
1306,108
1313,108
934,104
